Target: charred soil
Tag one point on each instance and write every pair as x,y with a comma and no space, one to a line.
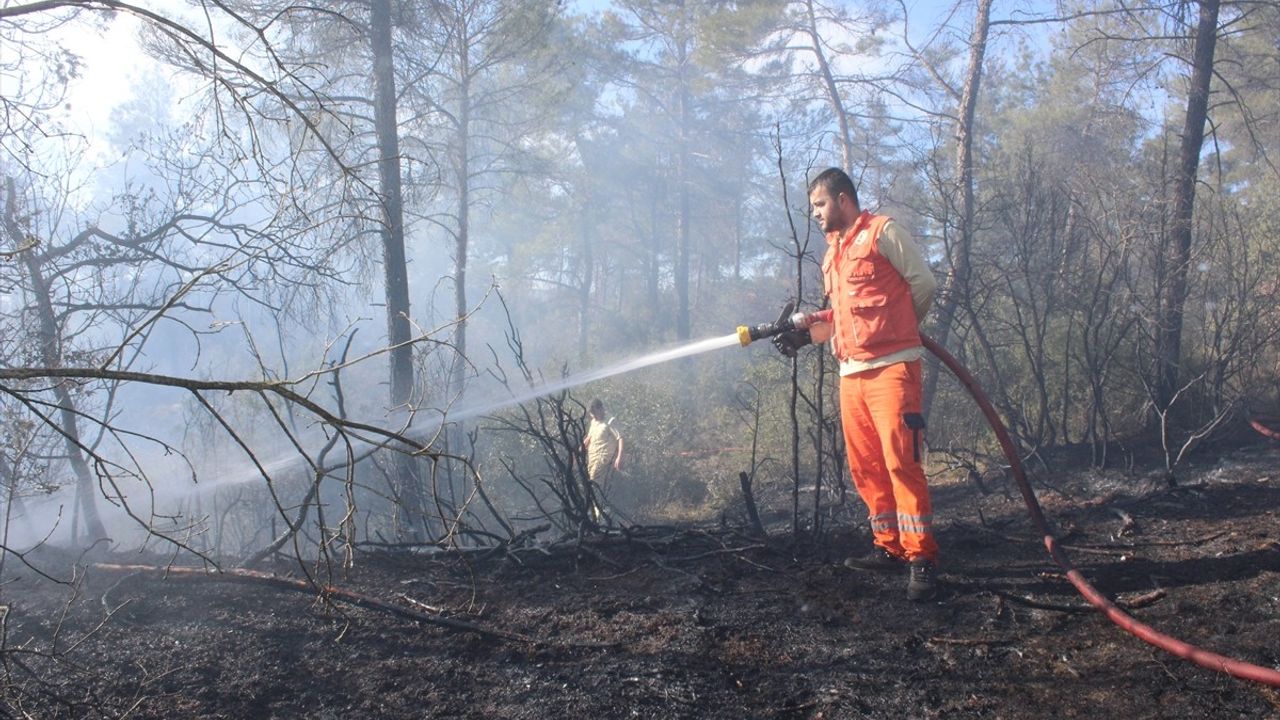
696,622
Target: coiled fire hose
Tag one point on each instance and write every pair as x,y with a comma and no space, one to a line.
1185,650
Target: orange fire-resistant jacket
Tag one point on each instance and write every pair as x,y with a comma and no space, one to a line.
870,298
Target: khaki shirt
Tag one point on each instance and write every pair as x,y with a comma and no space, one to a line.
602,447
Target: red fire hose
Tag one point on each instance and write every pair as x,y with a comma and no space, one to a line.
1187,651
1265,424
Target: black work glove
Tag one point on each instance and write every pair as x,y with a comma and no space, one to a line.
792,340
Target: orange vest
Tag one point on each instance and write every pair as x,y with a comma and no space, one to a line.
871,301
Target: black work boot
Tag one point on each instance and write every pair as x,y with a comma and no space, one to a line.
923,584
877,559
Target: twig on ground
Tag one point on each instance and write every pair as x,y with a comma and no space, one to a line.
709,553
755,564
1143,600
1127,524
1159,543
421,605
938,640
615,576
699,581
585,548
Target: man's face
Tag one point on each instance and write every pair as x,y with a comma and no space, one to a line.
828,212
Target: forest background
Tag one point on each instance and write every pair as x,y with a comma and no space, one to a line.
325,276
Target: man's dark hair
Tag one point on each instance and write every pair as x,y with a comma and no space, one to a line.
835,181
596,407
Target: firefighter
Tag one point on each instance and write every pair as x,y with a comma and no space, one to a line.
880,287
603,446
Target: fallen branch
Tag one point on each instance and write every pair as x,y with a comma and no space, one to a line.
1098,548
1154,543
1033,541
1138,602
329,592
1031,602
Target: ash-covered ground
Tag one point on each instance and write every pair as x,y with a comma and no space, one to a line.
706,622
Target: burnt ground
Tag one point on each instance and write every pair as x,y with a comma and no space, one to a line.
702,623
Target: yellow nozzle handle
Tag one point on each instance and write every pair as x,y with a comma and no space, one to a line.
744,335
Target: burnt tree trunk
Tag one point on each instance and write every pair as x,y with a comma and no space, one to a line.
463,240
955,288
405,473
1173,292
51,356
683,234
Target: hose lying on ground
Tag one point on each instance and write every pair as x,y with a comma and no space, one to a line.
1265,424
1187,651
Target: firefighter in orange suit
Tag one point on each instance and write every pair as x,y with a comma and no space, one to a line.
879,286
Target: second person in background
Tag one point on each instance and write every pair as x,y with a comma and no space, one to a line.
603,445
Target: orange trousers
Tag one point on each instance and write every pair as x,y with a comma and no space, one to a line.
884,439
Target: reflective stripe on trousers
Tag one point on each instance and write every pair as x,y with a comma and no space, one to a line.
883,428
